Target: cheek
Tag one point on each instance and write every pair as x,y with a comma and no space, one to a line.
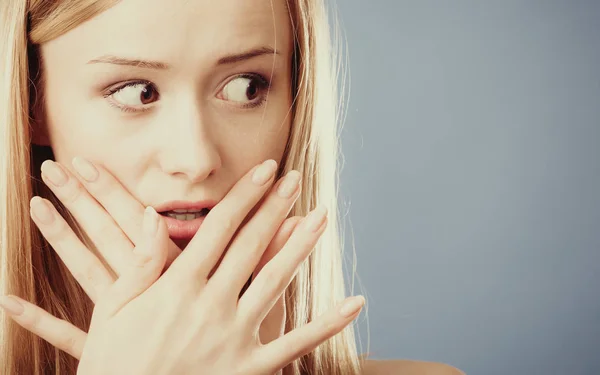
74,126
78,126
244,149
72,135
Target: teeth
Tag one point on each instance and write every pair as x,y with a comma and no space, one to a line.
184,216
187,211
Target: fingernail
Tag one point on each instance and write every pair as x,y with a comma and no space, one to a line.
85,169
150,221
315,219
54,173
264,172
41,210
289,185
11,305
352,305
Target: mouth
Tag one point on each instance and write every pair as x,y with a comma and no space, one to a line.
186,215
183,224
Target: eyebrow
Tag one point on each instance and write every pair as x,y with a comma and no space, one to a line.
138,63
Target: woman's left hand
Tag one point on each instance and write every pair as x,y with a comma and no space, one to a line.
112,219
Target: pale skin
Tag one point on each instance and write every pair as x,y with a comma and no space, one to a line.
184,129
133,305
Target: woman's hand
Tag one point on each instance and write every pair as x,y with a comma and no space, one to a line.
151,318
112,219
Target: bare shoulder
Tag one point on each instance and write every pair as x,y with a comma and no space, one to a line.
408,367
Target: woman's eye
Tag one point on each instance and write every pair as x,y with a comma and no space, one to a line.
249,90
133,94
246,89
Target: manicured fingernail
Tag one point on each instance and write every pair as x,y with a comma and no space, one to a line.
352,305
54,173
150,221
86,170
315,219
289,185
264,172
41,210
11,305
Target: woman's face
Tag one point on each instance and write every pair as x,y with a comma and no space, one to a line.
171,96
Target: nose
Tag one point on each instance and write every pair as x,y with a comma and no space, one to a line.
188,148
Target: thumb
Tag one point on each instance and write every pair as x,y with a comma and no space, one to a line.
148,262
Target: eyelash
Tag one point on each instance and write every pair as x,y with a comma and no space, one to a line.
264,85
124,108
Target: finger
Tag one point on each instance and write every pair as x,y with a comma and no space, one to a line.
150,257
273,326
60,333
303,340
274,278
85,267
122,207
221,223
108,238
250,242
281,237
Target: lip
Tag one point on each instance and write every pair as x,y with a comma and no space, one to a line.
185,205
182,229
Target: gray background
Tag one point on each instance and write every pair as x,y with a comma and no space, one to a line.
472,181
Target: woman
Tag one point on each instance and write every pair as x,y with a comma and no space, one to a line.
187,108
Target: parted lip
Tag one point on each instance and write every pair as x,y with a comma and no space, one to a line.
185,205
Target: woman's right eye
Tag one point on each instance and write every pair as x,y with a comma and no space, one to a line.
133,96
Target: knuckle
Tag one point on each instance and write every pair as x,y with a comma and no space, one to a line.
255,242
178,286
270,275
88,272
244,369
212,315
109,193
59,230
103,185
329,324
73,193
32,320
131,221
107,233
214,309
227,224
141,261
101,192
69,343
272,280
289,224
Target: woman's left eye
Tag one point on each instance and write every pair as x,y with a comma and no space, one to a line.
133,96
247,89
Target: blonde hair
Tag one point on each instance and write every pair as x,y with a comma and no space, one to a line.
30,269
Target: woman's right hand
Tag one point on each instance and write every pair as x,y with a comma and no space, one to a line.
185,322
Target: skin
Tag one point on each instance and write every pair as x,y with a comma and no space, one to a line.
192,134
188,137
177,322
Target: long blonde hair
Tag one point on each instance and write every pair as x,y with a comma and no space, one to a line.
30,269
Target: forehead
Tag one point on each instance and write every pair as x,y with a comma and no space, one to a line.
180,30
